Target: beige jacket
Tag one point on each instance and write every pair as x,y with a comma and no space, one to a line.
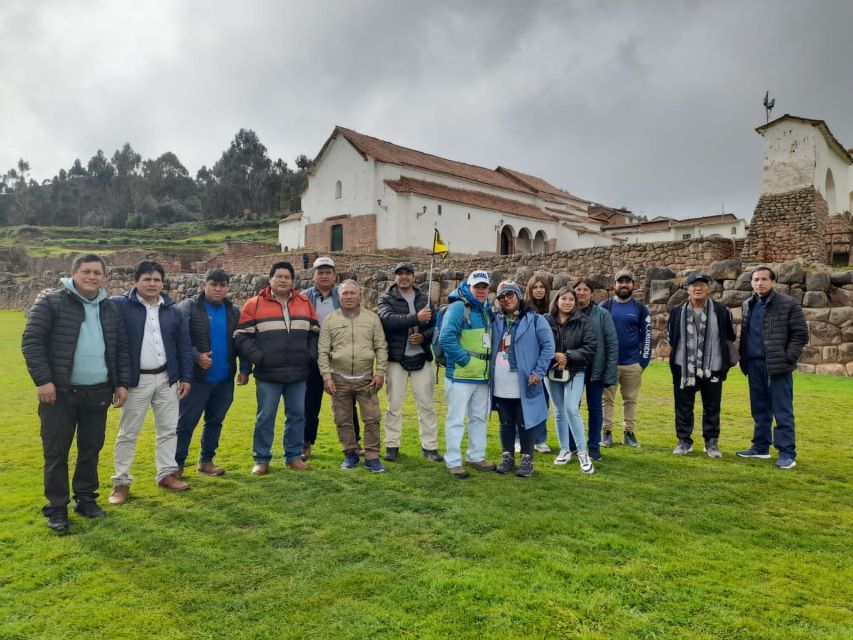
349,346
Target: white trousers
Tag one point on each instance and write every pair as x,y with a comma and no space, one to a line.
153,391
423,386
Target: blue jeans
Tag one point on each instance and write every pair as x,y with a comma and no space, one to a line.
567,410
269,394
465,399
769,398
213,399
595,417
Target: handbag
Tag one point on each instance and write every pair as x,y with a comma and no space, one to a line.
555,374
413,363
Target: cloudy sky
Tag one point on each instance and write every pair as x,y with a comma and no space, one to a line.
651,105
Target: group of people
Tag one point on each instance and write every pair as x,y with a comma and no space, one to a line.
515,355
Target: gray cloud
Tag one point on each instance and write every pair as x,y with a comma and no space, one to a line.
650,105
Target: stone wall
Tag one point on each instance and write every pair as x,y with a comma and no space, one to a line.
839,233
787,226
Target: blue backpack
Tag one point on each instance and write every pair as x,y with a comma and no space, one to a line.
437,351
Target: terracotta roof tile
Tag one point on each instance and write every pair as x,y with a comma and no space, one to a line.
472,198
391,153
536,184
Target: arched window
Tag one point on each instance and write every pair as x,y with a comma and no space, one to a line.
338,189
337,240
829,192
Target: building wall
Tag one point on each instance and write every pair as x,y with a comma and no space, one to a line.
291,233
789,157
359,234
786,226
827,159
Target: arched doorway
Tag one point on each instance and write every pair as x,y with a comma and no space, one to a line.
540,242
831,200
524,244
507,241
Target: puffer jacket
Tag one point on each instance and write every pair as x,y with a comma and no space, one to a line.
173,329
606,356
195,314
785,333
278,353
397,321
351,344
465,347
576,339
50,339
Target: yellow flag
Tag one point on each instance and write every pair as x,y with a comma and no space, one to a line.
438,246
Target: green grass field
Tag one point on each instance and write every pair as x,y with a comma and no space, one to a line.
651,546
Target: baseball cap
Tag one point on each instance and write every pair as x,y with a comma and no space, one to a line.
404,266
697,277
624,273
478,276
325,261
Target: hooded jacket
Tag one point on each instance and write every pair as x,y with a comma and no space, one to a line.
465,349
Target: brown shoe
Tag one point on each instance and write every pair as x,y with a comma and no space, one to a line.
172,483
119,494
482,465
458,472
209,469
180,473
297,465
260,469
306,452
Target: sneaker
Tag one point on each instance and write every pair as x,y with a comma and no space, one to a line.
682,448
752,452
458,472
57,519
586,463
351,460
507,462
630,439
209,469
89,509
786,461
432,455
525,468
607,440
373,465
482,465
542,447
564,457
391,454
712,449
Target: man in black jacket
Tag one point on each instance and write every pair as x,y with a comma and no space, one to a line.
408,320
75,348
772,337
699,332
211,319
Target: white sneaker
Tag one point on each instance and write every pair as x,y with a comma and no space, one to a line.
586,463
542,447
564,457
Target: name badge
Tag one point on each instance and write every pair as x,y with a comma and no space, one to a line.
487,340
508,339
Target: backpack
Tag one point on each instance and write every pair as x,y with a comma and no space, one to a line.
437,350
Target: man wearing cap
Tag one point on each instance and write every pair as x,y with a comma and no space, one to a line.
211,319
772,337
324,296
699,332
408,320
634,329
465,338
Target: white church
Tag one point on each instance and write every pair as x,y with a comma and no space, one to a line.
366,194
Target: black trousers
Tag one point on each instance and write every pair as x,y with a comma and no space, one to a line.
685,399
313,403
512,425
82,410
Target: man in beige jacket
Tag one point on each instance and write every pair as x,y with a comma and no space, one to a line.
353,356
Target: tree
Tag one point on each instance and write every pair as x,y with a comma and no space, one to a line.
241,173
126,161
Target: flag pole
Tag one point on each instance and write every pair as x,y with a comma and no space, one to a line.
431,264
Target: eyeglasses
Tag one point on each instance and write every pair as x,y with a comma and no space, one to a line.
504,296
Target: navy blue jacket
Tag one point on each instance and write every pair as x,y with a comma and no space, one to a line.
173,328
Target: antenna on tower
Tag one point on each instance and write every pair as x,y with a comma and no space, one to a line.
768,104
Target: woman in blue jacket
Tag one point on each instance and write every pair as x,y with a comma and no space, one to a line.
522,349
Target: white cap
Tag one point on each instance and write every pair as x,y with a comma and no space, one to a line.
325,261
476,277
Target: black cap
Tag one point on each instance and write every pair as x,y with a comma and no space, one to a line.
404,266
693,278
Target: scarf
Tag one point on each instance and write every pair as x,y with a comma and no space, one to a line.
698,349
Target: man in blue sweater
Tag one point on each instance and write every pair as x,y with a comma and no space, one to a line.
634,330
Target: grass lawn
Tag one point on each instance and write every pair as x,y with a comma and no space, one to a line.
650,546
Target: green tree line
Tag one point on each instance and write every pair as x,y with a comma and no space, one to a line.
126,191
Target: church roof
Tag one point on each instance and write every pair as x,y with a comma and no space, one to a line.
831,140
477,199
536,184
